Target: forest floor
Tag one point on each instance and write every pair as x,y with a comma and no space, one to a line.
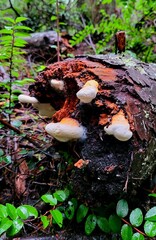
31,166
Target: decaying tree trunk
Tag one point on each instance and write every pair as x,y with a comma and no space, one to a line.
124,84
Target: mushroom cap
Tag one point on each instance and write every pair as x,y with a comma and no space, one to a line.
27,99
65,130
91,83
119,127
87,94
57,84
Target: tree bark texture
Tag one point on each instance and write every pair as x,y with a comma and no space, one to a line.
124,84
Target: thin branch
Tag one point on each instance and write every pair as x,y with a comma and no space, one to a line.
29,138
90,42
12,7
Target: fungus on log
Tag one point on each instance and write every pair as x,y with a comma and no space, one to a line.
125,100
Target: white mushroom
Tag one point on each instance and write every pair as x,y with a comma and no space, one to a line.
65,130
119,127
45,109
88,92
57,84
27,99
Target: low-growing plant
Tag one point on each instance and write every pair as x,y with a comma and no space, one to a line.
11,44
63,207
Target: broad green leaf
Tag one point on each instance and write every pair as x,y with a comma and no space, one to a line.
32,211
70,210
103,224
53,18
12,211
4,225
137,236
151,214
152,195
60,195
15,227
115,223
126,232
136,217
3,211
20,19
9,19
22,212
22,28
81,213
122,208
40,68
6,38
150,228
57,216
48,198
90,224
6,31
45,221
21,34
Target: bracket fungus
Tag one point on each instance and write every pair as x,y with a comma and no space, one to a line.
119,127
45,109
88,92
65,130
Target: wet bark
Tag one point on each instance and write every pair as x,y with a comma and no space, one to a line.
125,84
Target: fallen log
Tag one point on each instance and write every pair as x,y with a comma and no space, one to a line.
117,149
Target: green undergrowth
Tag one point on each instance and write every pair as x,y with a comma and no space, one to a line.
62,208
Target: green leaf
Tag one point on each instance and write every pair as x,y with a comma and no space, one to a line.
115,223
81,213
152,195
90,224
22,28
103,224
6,31
12,211
3,211
70,210
48,198
45,221
60,195
22,212
4,225
1,152
136,217
122,208
150,228
40,68
20,19
9,19
15,227
151,214
137,236
126,232
53,18
57,216
32,211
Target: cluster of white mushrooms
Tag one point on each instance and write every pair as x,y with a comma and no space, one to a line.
70,129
